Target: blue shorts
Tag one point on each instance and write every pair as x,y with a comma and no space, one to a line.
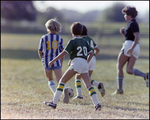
53,68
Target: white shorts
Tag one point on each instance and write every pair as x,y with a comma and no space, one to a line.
92,63
126,45
79,65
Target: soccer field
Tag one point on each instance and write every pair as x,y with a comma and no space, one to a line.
24,87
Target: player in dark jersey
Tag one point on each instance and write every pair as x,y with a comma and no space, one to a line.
50,46
78,50
91,67
130,50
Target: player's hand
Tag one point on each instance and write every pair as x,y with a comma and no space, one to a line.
130,51
50,63
122,30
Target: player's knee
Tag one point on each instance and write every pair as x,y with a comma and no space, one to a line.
129,71
78,76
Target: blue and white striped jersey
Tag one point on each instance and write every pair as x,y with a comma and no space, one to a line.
51,45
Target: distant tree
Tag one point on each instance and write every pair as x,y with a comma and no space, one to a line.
53,13
18,10
90,16
114,13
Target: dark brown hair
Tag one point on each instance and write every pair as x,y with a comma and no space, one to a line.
76,28
84,32
128,10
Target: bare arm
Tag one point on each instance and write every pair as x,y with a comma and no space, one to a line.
62,54
62,58
97,50
90,56
40,54
122,32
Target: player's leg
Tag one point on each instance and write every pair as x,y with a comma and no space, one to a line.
135,71
51,83
91,66
58,74
67,76
78,86
121,61
92,92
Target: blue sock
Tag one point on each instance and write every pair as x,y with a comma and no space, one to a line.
120,82
137,72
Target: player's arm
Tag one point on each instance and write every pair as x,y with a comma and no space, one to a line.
122,32
90,56
97,50
62,58
62,54
40,54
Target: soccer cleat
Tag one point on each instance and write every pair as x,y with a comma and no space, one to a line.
98,107
78,97
66,96
101,89
147,79
118,92
51,104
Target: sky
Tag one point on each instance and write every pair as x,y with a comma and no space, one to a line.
84,6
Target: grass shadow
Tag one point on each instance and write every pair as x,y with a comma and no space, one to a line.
32,54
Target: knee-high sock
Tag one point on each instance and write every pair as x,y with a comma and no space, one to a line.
52,86
58,92
120,82
137,72
93,95
95,83
78,87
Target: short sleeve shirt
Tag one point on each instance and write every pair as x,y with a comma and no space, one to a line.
78,47
132,27
90,42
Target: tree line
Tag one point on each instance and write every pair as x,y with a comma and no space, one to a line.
25,11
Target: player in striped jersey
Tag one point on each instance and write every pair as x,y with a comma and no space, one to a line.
91,66
50,46
78,50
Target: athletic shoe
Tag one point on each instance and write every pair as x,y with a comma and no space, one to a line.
51,104
78,97
118,92
101,89
66,96
98,107
147,79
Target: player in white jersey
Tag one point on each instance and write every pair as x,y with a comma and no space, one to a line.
78,50
50,46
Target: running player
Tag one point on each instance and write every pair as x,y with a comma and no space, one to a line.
78,50
91,66
50,46
130,50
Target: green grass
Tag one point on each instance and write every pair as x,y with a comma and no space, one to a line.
24,85
24,88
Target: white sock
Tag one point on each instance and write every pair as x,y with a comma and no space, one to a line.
93,82
78,87
58,92
52,86
93,95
